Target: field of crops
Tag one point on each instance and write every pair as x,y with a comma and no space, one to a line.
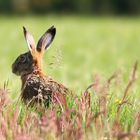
100,52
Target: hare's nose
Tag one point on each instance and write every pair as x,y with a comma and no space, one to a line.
14,68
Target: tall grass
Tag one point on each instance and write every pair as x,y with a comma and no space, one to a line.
95,114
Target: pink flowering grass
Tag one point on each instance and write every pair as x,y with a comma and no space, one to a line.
94,115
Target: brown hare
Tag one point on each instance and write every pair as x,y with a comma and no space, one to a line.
36,86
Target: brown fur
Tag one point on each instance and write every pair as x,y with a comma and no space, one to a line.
36,86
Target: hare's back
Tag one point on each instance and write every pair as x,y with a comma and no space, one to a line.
38,88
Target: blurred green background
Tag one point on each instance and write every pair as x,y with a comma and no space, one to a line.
73,6
92,38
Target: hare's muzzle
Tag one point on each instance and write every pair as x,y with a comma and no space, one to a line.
15,69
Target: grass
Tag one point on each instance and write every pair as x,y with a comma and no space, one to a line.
86,50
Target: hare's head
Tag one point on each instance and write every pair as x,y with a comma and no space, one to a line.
27,62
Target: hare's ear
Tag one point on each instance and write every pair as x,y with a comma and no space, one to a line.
29,39
47,38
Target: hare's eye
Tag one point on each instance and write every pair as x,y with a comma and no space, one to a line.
22,59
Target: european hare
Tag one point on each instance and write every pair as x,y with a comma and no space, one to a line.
36,86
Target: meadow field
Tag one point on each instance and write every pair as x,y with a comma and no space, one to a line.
100,52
